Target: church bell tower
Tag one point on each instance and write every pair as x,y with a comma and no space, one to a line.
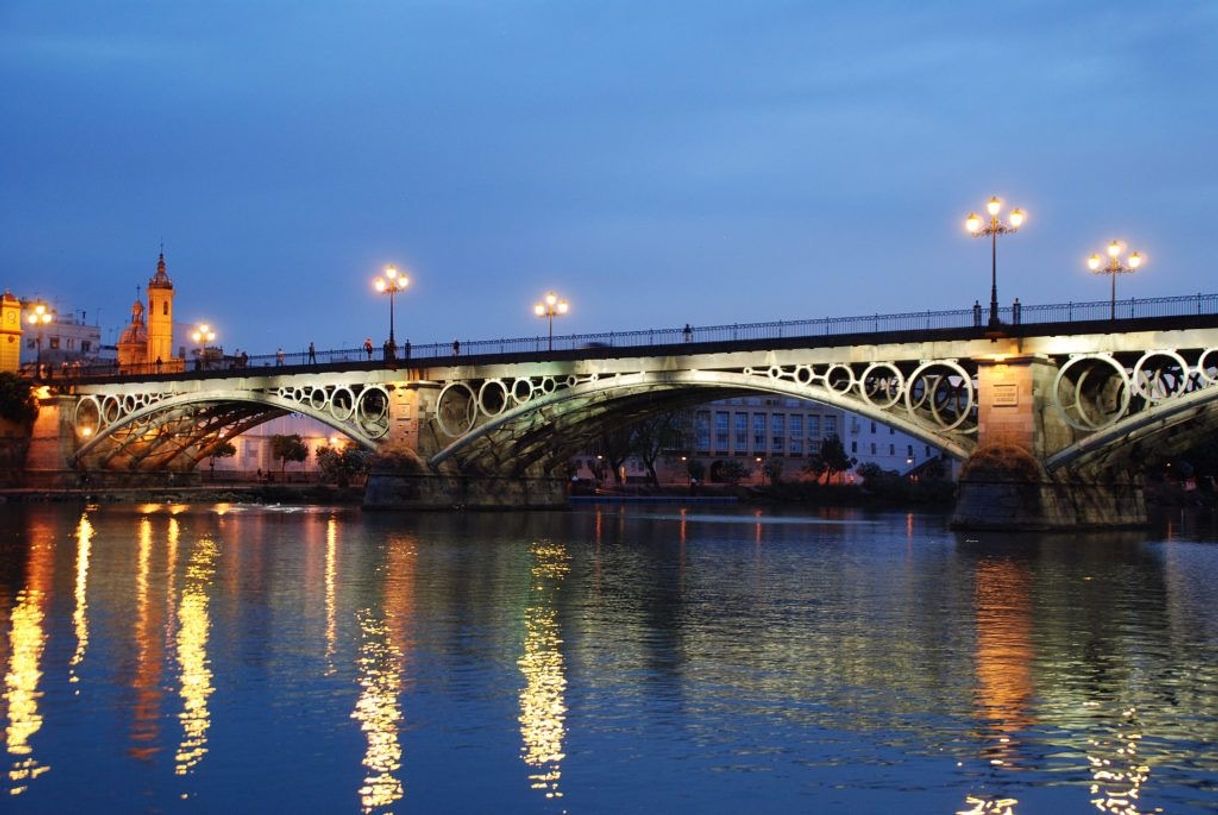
160,315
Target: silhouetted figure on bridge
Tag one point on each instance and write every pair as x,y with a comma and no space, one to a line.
406,349
1016,312
977,313
368,347
388,350
689,333
159,363
312,354
279,358
456,348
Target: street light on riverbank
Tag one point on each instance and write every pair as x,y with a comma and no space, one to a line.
40,316
1114,267
978,227
550,307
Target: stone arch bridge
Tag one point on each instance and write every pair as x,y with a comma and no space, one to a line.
1087,401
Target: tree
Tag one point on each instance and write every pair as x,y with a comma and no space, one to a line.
342,466
17,401
830,460
615,447
224,449
653,435
733,471
773,470
695,468
288,448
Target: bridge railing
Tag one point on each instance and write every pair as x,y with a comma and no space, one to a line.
1092,310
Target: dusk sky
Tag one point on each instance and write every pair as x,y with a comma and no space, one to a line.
656,163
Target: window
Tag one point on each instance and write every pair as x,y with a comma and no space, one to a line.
873,428
778,433
71,343
54,342
909,450
891,430
796,432
722,419
873,448
854,447
814,427
702,430
928,451
29,344
830,425
165,307
759,432
86,346
742,431
892,449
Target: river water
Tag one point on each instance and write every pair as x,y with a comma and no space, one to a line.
602,660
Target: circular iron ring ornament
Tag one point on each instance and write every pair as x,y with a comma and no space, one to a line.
373,419
839,378
500,398
1157,383
522,391
875,381
469,408
91,405
342,403
1207,366
1075,409
933,396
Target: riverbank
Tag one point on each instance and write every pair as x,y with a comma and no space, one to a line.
204,494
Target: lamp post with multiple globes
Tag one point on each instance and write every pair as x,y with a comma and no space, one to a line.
1115,266
40,316
550,307
391,282
979,227
203,334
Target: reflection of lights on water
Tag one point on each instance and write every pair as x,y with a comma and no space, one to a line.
80,614
196,677
1117,782
26,643
331,612
542,703
988,806
146,683
378,712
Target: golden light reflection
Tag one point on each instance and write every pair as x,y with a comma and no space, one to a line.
331,610
542,700
990,806
194,624
1004,653
27,640
80,614
1117,780
378,712
146,712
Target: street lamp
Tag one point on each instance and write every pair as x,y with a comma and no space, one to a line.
1114,267
203,334
40,316
977,227
391,283
550,307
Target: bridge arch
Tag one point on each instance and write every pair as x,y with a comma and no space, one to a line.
529,426
1165,428
267,406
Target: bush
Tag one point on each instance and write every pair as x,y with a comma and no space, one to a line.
17,401
1002,461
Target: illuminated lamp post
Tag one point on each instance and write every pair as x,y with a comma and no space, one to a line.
550,307
1114,267
391,283
978,227
39,317
203,334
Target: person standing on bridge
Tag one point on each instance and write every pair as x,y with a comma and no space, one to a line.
976,313
456,348
1016,312
368,347
689,333
312,354
406,349
279,358
388,350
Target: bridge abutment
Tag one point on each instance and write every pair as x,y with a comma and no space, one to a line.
1004,484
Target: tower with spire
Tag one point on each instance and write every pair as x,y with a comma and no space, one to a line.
160,314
